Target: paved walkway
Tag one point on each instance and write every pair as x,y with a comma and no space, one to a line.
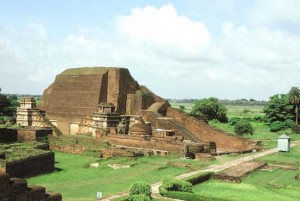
211,168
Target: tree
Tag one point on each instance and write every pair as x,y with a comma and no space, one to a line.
294,98
279,111
182,108
243,127
4,102
212,108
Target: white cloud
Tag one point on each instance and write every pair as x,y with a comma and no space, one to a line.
164,29
170,53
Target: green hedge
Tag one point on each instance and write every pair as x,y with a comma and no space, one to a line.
190,196
169,183
199,178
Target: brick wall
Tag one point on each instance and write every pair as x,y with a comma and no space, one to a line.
225,142
8,135
31,166
14,189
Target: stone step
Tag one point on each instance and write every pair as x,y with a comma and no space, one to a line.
36,193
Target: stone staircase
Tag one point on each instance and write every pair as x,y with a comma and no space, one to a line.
55,131
15,189
159,121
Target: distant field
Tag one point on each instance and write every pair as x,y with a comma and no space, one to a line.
262,131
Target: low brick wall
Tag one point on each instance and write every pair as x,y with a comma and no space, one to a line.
8,135
31,166
31,134
132,141
14,189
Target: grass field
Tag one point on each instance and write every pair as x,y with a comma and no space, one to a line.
76,181
275,185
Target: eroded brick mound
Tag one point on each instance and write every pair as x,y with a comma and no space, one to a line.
236,173
77,92
225,142
15,189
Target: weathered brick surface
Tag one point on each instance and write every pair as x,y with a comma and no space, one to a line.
8,135
31,166
204,132
15,189
74,96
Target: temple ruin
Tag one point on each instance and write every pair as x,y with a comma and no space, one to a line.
106,102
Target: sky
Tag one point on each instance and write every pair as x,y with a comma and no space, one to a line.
230,49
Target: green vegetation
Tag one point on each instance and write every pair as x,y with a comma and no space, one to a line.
294,98
170,183
76,180
243,127
211,108
140,191
276,184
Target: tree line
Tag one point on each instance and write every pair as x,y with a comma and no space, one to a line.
281,112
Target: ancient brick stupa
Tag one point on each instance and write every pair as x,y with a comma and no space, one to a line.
92,100
77,93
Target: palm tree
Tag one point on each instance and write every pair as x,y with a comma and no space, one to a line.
294,97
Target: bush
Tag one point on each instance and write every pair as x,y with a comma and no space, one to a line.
171,184
296,128
199,178
140,197
234,120
243,127
258,119
277,126
215,121
191,196
245,111
289,123
139,188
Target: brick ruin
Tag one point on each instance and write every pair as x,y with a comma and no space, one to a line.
109,104
15,189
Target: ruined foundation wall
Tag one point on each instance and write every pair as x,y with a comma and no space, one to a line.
27,135
131,141
15,189
31,166
205,132
8,135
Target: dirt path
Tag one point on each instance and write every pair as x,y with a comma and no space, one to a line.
211,168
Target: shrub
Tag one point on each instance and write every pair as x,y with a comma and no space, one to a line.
247,119
234,120
243,127
171,184
258,119
289,123
199,178
139,188
191,196
277,126
245,111
215,121
140,197
296,128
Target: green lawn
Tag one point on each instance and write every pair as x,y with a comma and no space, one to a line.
76,181
275,185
